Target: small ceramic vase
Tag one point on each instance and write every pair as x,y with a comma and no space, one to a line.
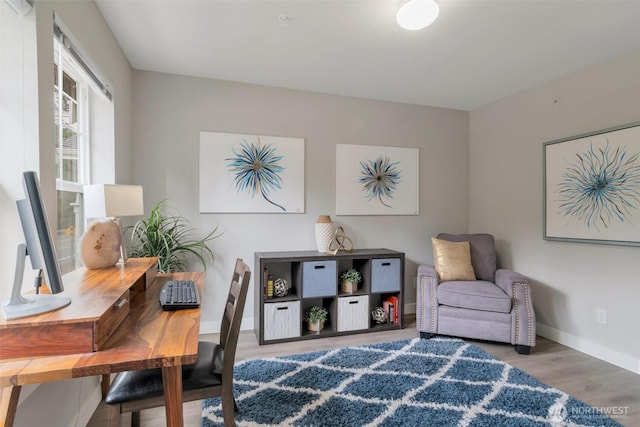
324,232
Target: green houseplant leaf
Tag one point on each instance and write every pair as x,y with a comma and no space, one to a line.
316,314
351,275
169,237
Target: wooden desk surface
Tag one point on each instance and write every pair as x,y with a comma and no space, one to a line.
91,292
149,337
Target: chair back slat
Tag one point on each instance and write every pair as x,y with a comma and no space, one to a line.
235,289
230,312
232,319
234,292
227,317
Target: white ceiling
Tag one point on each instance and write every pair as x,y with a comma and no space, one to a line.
476,52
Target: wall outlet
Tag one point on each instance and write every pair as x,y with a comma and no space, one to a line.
601,316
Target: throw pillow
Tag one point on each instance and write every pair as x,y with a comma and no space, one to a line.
452,260
483,252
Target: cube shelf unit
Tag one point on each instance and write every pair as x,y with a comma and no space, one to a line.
313,278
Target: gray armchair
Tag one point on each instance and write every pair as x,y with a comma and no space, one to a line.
497,306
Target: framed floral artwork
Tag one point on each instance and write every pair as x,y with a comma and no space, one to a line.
251,173
592,187
372,180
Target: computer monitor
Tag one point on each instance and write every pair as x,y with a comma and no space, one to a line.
40,248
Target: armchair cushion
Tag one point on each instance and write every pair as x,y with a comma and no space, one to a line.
475,295
483,252
452,260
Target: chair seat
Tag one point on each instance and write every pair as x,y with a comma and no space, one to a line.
474,295
136,385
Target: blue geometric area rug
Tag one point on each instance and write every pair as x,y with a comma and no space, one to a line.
435,382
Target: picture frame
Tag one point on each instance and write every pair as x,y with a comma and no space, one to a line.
592,187
244,173
375,180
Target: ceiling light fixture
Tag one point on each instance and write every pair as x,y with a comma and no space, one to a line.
417,14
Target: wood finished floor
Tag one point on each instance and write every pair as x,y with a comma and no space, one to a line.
593,381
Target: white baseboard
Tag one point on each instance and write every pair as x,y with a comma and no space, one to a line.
622,360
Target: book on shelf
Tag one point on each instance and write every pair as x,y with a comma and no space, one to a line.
385,307
268,283
388,309
394,309
270,286
265,278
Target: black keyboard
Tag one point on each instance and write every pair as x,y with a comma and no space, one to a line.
179,294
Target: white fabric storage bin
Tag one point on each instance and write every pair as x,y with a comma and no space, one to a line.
353,313
385,275
281,320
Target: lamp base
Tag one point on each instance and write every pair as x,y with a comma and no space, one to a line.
123,247
100,245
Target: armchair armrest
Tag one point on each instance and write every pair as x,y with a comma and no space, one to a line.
505,279
523,319
426,299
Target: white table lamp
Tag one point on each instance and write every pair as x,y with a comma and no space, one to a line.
113,201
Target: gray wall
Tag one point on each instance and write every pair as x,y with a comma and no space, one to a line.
170,110
570,280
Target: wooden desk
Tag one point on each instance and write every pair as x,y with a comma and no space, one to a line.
147,338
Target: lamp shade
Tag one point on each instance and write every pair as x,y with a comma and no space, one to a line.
417,14
112,200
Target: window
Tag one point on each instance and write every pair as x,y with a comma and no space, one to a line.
76,90
71,146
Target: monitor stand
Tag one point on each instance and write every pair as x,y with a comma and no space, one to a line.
18,306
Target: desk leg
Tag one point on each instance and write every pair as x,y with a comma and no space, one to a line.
9,397
105,384
172,383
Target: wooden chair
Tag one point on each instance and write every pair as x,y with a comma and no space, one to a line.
210,376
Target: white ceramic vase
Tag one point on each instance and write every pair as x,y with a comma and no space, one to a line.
324,232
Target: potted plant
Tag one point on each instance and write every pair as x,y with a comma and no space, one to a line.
350,279
169,237
315,317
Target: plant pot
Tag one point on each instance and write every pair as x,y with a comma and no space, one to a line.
316,326
349,286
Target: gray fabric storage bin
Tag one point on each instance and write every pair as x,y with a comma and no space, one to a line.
385,275
319,279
